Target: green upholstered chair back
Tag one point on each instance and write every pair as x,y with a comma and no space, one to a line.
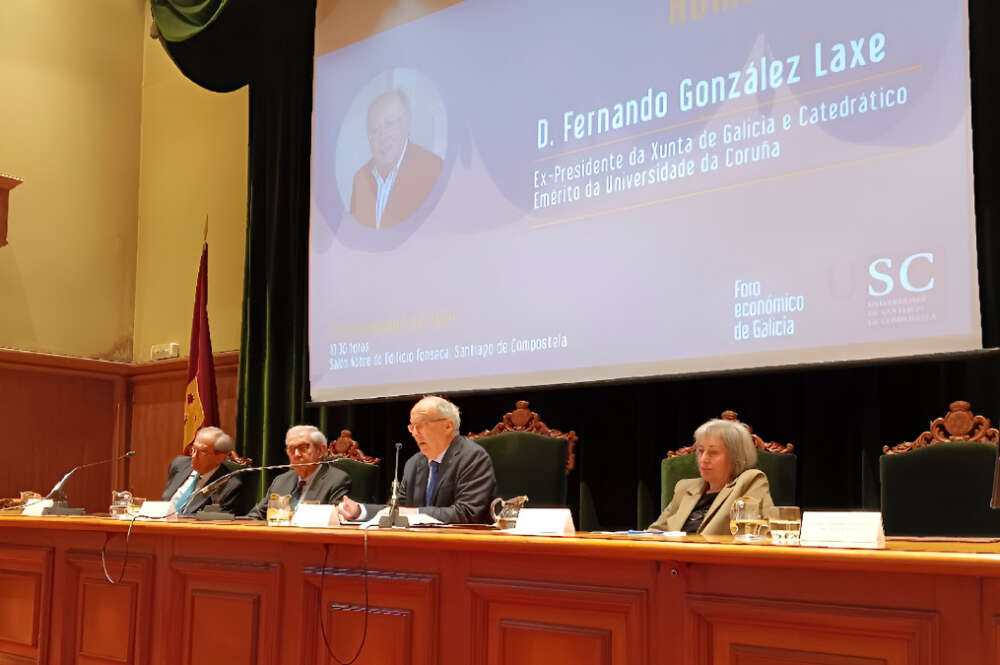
364,478
777,462
363,469
780,469
529,457
939,485
529,464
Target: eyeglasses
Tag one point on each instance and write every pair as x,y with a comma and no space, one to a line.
413,427
301,449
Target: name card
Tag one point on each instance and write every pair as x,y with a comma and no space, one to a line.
316,515
35,508
157,510
836,529
544,522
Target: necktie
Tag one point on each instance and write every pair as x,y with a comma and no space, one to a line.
182,499
432,482
297,494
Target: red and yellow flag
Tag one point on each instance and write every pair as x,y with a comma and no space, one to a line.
201,402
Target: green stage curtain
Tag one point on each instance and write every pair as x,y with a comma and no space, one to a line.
178,20
235,44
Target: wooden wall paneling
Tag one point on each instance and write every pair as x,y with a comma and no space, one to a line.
990,621
536,623
743,631
402,612
108,623
25,603
156,418
57,413
229,612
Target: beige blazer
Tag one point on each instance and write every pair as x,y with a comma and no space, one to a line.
751,482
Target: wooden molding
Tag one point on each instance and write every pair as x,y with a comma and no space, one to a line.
523,419
26,581
111,623
599,624
759,443
402,615
959,424
7,183
733,629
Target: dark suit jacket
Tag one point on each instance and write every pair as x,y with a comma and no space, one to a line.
329,485
418,172
227,496
751,482
466,485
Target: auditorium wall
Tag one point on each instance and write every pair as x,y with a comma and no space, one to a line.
194,163
70,75
122,159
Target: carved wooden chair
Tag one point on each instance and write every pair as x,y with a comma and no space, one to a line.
529,457
940,484
363,469
776,460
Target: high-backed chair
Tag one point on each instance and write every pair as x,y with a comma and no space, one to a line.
363,469
940,483
776,460
529,457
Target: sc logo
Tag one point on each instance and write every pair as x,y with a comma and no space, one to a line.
886,281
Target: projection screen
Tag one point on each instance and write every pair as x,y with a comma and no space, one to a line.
530,192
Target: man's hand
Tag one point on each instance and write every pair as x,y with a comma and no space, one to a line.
349,509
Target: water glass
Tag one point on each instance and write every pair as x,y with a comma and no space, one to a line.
785,523
119,503
746,522
135,505
279,510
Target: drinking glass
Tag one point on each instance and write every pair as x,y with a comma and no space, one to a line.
119,503
279,510
785,523
746,522
135,505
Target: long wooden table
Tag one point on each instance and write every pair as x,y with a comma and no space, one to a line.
196,592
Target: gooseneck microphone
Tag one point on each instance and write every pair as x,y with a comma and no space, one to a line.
394,518
207,489
58,496
59,485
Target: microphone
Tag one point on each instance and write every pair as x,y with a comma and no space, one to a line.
207,489
59,485
394,518
58,497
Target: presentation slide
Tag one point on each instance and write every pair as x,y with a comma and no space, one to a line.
526,192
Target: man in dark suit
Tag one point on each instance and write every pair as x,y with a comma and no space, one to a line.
187,475
451,479
322,483
399,177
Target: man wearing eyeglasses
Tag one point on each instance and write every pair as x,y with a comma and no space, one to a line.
451,479
322,483
209,450
390,187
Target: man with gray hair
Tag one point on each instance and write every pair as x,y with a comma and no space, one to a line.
187,475
322,483
451,479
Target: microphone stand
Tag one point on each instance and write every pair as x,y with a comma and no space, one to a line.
214,511
394,518
60,505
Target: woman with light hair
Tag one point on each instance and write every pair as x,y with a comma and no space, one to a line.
726,463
